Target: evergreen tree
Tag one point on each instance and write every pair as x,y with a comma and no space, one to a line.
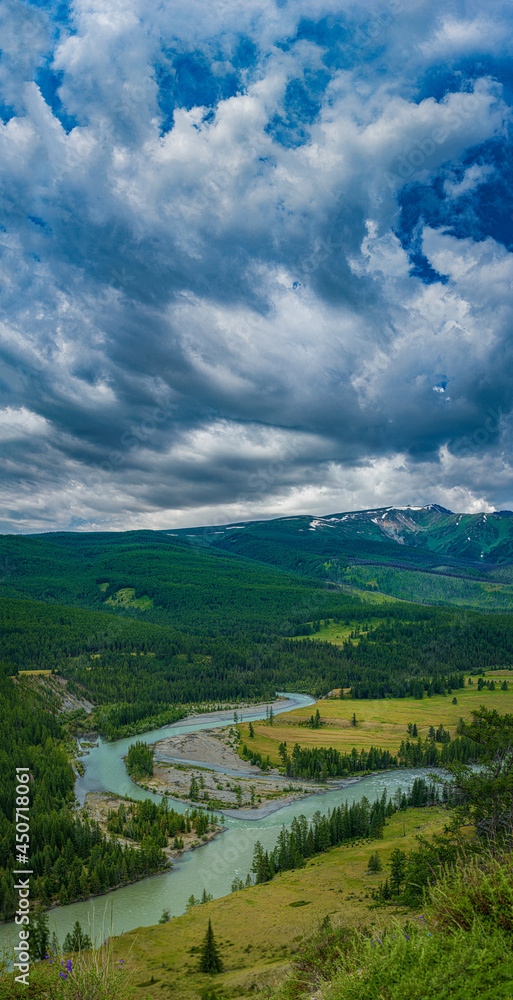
77,940
397,870
39,934
485,797
210,960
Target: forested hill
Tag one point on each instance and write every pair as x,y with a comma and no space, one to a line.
245,575
142,623
409,535
423,554
151,576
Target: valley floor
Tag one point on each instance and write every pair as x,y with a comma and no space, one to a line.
224,781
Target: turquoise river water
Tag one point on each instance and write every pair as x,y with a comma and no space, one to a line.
212,866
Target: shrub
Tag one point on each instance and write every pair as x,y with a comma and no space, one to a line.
480,885
415,964
460,947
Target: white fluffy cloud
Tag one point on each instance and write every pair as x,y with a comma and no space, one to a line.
207,273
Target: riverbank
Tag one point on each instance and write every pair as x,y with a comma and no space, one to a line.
245,711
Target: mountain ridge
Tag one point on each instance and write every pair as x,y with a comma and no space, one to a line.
426,533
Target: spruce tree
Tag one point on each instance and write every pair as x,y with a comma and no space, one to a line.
39,933
77,939
210,960
374,863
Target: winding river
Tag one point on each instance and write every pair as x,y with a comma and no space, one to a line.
212,866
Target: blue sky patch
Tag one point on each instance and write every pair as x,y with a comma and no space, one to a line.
486,210
49,83
187,81
301,105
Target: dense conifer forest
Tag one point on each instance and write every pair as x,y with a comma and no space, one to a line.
70,856
144,625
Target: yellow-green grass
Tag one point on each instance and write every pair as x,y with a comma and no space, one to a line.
259,929
338,634
380,723
30,673
126,597
370,596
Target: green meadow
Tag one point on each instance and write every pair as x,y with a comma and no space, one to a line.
125,598
338,633
259,929
380,723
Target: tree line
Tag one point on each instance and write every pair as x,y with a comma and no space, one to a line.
342,825
323,763
157,822
481,803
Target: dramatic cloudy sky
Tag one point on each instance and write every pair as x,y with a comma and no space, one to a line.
255,258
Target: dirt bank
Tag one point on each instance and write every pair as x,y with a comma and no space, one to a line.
203,768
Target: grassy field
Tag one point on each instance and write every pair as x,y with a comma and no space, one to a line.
381,723
338,633
126,598
258,929
34,673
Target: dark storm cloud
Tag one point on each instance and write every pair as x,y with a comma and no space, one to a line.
252,260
